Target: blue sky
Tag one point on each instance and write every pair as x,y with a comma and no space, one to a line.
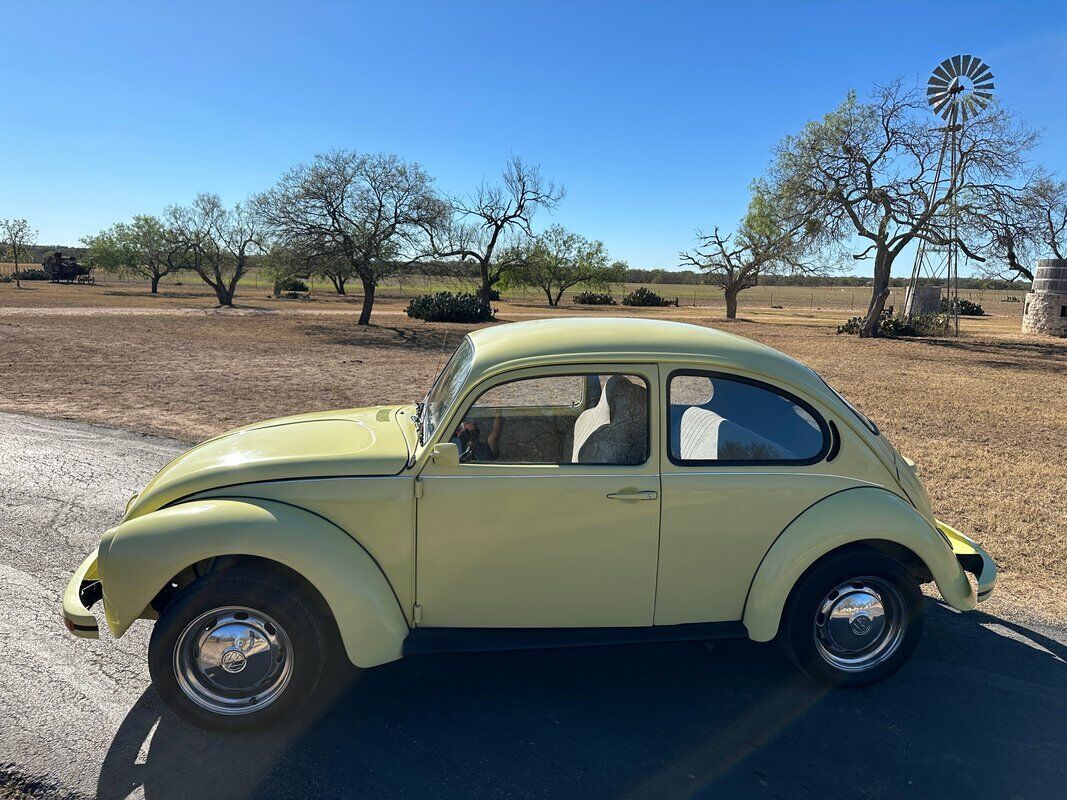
654,115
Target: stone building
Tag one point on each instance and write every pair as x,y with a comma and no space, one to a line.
1045,309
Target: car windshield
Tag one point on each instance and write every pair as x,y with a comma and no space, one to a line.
446,388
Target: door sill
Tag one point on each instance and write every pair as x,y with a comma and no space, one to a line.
481,640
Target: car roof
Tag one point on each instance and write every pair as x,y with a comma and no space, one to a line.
575,339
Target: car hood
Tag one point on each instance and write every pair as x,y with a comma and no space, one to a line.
361,441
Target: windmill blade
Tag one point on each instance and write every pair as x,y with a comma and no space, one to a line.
937,82
956,65
942,71
984,97
983,87
943,106
965,67
978,68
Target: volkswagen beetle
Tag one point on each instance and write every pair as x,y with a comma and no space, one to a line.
562,482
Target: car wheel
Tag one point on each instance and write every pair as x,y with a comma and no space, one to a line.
854,619
238,650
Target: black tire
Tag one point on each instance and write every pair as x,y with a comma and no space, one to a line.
805,633
289,612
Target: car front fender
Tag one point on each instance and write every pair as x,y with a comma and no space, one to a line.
850,516
139,557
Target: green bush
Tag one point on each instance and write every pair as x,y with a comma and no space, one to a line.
594,299
966,307
897,327
449,307
644,297
292,285
32,275
5,279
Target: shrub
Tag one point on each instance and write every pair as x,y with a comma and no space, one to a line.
32,275
292,285
449,307
896,327
594,299
966,307
644,297
1009,299
5,279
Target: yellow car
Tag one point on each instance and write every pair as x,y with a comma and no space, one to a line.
563,482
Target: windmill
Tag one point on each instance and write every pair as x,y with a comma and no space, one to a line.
959,89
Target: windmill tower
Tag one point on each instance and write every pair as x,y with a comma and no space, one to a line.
959,88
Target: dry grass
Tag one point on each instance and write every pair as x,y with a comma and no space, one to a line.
984,415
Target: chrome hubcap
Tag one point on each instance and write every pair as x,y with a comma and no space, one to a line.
860,624
233,660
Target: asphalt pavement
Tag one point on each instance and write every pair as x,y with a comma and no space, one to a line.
979,712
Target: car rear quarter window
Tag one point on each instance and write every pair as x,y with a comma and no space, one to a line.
721,419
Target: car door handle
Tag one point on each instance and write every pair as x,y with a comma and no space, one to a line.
648,495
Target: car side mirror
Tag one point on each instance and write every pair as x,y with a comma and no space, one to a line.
445,455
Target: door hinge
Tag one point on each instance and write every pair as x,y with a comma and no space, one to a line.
416,614
418,488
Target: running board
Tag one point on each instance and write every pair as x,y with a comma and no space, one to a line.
481,640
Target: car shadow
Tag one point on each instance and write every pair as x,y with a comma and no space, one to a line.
977,713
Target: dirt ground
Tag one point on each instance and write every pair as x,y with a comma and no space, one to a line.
983,415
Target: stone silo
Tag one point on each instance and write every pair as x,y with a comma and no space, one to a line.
1045,310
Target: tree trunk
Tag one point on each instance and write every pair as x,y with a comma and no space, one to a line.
548,294
155,284
225,298
18,278
368,302
883,263
731,302
338,283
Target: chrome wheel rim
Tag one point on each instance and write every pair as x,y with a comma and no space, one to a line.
860,624
233,660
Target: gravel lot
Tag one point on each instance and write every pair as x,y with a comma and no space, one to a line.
978,713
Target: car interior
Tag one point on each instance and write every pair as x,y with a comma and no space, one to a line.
603,419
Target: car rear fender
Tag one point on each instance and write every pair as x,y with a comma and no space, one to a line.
851,516
140,556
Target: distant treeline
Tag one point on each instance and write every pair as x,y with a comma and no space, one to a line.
696,278
468,270
39,252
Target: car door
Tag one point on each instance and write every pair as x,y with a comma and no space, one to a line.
742,459
559,527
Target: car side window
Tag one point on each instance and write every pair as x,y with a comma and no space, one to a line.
720,419
588,418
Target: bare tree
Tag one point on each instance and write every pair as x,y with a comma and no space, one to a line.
1018,227
19,237
371,211
763,243
560,260
490,224
142,247
219,243
868,169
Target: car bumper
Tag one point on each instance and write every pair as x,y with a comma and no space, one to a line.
82,592
972,558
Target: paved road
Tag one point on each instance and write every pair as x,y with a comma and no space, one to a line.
979,713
